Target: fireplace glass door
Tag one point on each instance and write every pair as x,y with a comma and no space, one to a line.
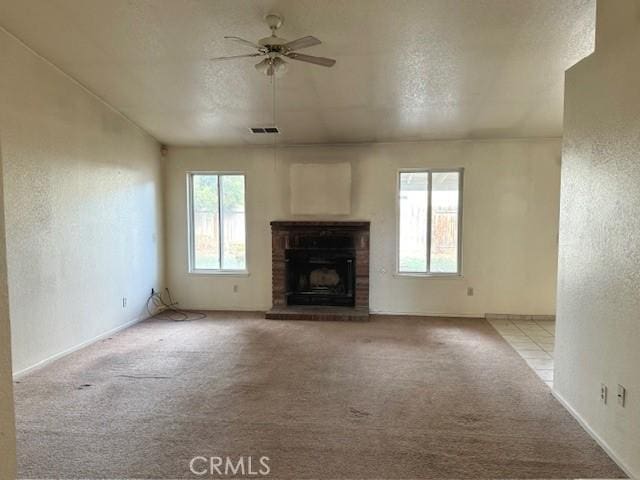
320,277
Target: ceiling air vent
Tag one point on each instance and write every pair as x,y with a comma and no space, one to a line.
259,130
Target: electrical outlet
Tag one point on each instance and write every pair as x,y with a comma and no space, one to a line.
603,393
622,395
235,289
124,302
470,291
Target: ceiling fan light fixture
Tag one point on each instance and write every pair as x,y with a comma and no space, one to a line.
279,66
265,67
272,66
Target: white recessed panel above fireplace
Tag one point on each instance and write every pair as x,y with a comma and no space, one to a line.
320,188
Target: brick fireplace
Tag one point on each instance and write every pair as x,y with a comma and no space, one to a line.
320,270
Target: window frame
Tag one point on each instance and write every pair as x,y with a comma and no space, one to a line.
191,227
430,171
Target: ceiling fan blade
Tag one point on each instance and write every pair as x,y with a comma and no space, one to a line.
325,62
245,42
215,59
303,42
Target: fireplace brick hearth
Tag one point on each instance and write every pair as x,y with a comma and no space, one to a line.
336,251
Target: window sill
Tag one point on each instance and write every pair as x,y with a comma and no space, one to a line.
221,273
452,276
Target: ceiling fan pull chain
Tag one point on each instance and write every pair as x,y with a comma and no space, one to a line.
273,83
275,117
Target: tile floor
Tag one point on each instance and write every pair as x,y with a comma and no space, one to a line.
533,340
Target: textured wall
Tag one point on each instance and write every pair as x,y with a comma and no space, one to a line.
598,328
7,426
320,188
510,223
82,208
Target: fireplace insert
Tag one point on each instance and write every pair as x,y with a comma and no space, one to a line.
320,276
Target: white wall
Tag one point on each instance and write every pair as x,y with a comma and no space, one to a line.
598,327
7,425
511,191
82,208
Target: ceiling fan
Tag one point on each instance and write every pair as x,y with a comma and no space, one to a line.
274,48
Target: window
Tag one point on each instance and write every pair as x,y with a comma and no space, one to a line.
430,214
217,231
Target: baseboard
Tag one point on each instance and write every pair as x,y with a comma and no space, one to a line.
488,316
512,316
381,313
226,311
583,423
372,312
75,348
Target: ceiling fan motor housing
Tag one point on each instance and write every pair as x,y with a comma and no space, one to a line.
273,42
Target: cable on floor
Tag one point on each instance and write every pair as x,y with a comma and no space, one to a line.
167,309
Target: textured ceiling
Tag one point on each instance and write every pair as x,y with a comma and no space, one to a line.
407,70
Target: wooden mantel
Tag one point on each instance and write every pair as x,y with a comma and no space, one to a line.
305,224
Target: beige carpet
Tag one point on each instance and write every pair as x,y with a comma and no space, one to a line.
393,398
